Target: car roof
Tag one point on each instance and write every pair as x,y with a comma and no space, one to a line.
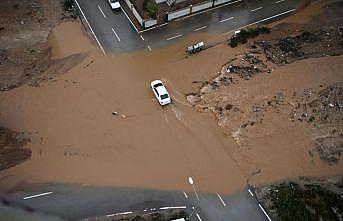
161,90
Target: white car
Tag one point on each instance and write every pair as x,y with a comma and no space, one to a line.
115,5
160,92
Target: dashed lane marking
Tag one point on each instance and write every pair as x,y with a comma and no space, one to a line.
264,212
103,14
117,214
185,194
256,9
37,195
221,200
226,19
115,33
200,28
198,217
262,20
173,207
90,27
176,36
250,193
279,1
142,37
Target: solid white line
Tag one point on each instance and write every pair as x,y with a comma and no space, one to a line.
256,9
264,212
115,33
38,195
117,214
102,49
173,207
157,26
198,217
177,36
130,21
265,19
184,193
103,14
279,1
142,37
198,29
224,204
197,13
226,19
149,47
250,193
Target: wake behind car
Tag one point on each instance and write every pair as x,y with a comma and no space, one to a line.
115,5
160,92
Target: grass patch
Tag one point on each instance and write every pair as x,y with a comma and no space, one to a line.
245,34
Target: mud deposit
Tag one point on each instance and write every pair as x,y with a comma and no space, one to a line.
76,138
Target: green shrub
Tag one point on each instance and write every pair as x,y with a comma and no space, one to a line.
244,35
151,7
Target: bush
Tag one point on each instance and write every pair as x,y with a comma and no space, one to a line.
311,202
151,7
244,35
68,5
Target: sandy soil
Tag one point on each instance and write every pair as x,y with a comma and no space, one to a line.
77,139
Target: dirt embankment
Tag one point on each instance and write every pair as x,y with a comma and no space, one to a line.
281,95
25,55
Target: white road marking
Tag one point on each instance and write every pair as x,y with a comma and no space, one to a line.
279,1
226,19
173,207
103,14
198,217
115,33
176,36
90,27
198,29
142,38
184,193
38,195
117,214
250,193
149,47
256,9
157,26
221,200
262,20
264,212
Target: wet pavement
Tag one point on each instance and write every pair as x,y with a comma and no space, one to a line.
115,33
75,202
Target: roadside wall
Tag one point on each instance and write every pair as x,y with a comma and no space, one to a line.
149,23
179,13
219,2
203,6
136,14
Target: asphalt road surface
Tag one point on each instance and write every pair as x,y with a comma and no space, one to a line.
115,33
75,202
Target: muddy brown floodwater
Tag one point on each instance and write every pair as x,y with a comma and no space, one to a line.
76,138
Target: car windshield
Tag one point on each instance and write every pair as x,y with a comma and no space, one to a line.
113,1
158,85
164,96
